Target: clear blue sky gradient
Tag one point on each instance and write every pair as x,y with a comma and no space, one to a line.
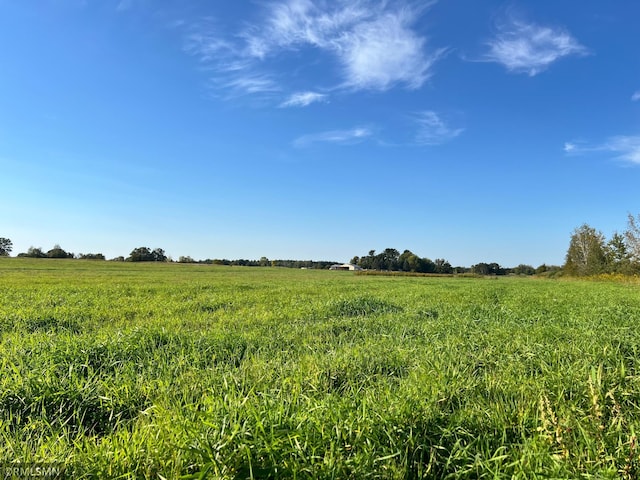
470,131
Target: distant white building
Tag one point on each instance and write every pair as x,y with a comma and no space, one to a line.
345,266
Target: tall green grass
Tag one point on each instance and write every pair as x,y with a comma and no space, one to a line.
190,371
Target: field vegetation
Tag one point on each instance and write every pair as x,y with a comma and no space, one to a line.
157,370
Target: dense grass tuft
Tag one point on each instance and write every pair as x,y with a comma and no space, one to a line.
360,307
51,324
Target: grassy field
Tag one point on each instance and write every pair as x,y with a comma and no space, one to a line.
167,370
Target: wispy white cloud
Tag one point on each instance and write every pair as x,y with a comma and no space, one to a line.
636,96
354,135
433,130
208,47
383,52
373,44
529,48
627,148
231,72
304,99
251,83
624,147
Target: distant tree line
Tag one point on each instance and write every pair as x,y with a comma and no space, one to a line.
140,254
263,262
388,260
58,252
55,252
591,253
392,260
146,254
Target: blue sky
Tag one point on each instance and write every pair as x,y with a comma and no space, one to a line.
470,131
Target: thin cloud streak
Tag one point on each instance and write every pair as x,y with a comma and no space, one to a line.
432,130
636,96
529,48
625,147
628,148
304,99
252,83
347,137
207,48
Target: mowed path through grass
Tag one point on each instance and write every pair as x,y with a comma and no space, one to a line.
167,370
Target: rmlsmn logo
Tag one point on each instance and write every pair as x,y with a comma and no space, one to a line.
31,470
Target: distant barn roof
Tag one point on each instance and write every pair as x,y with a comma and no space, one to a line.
345,266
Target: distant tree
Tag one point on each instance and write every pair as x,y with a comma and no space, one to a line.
403,261
586,254
158,255
426,265
91,256
480,268
496,269
442,266
488,269
388,259
407,261
5,247
264,262
118,259
367,262
186,259
617,255
141,254
523,269
33,252
632,238
58,252
145,254
545,269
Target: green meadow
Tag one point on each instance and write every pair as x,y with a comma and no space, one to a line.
143,370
